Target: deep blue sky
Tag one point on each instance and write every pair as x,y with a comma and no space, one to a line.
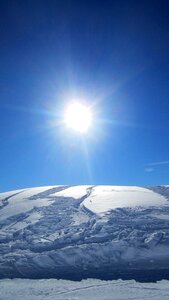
113,54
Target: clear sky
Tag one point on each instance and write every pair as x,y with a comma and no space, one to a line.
112,54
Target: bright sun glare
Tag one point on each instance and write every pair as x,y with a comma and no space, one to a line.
78,117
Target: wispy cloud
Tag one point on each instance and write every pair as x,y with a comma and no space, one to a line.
150,166
158,163
149,169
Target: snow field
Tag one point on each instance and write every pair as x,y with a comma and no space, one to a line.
78,232
52,289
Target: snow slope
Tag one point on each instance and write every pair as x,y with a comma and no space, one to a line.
105,198
76,232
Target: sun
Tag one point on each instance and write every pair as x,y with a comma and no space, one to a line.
78,117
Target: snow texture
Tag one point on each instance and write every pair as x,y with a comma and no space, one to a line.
52,289
76,232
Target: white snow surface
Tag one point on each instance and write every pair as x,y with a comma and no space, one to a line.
75,192
52,289
18,203
76,232
105,198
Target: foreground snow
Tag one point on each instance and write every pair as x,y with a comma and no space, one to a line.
52,289
76,232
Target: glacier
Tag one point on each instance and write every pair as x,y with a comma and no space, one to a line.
79,232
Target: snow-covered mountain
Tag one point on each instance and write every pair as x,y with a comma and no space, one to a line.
76,232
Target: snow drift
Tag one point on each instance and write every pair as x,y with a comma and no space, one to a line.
75,232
